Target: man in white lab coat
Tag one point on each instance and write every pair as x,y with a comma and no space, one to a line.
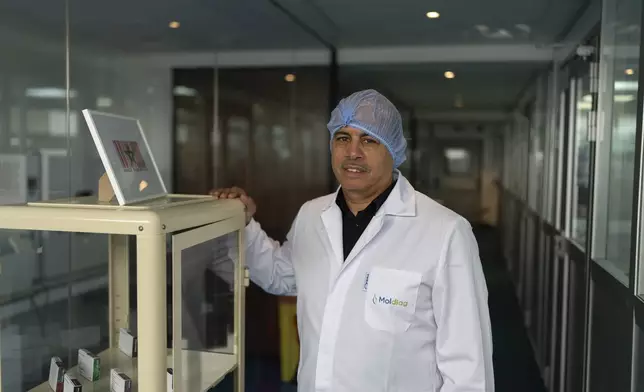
391,296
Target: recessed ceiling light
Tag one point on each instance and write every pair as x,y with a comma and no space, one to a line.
433,15
449,75
630,71
174,24
289,78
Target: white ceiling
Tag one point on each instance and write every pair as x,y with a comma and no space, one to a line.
477,86
210,25
386,22
258,24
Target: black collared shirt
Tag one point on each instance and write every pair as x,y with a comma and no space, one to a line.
354,225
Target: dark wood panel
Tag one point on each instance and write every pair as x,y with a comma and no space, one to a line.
274,139
270,138
193,115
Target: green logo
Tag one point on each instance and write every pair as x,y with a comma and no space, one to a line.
389,301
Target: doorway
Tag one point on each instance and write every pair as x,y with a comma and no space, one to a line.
460,176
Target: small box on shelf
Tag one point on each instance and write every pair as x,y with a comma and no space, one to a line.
169,382
72,384
127,343
89,365
56,374
119,381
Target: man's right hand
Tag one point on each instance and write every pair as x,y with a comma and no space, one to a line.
237,193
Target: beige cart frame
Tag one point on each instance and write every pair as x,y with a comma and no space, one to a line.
150,223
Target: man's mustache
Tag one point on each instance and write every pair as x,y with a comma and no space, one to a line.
356,166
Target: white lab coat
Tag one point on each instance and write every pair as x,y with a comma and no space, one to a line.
406,312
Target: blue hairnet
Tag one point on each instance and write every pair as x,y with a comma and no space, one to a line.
375,115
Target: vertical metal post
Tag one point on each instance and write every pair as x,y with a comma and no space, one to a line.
553,116
119,281
561,160
240,318
151,312
592,148
68,147
635,277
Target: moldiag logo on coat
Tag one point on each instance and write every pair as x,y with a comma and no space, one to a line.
388,301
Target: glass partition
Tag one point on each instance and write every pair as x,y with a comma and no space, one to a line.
619,59
537,134
60,57
34,164
205,268
580,159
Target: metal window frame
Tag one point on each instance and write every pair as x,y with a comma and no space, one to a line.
636,276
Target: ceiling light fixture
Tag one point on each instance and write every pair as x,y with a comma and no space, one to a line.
49,93
622,85
174,24
523,27
455,153
184,91
289,78
449,75
630,71
433,15
623,98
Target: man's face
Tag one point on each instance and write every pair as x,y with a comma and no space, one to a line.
360,162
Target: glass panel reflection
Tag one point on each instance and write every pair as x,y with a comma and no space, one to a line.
580,191
207,284
207,306
621,36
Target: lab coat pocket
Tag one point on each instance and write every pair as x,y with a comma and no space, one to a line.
390,300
